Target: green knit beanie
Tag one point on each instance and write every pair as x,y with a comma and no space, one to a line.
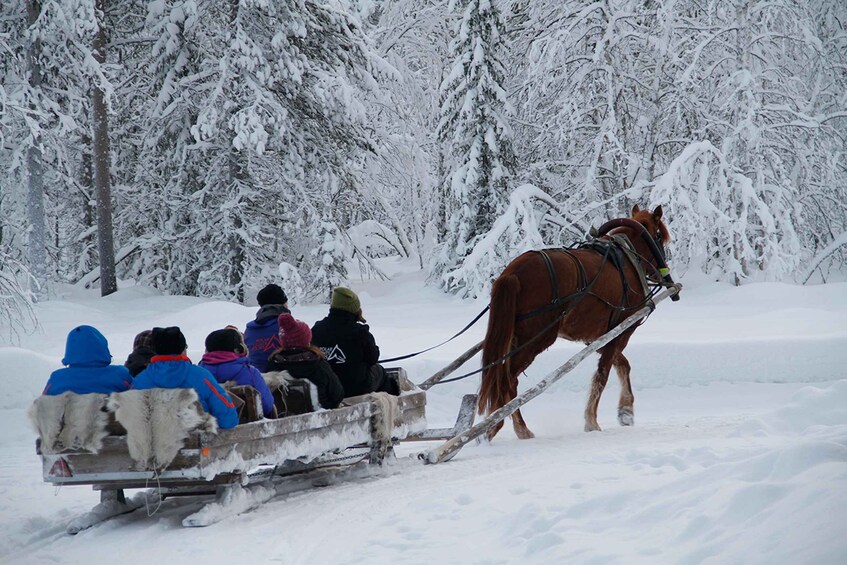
345,299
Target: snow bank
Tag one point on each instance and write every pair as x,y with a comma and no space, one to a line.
23,374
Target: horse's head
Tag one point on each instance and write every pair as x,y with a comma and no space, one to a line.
654,225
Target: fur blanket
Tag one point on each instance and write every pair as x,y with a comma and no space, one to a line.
70,421
157,422
277,379
387,416
282,380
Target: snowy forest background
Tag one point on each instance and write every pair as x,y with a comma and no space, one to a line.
207,147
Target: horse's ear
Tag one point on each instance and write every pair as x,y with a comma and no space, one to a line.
657,213
635,210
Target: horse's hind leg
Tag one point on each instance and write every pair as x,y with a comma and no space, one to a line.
625,404
598,383
521,430
519,364
493,431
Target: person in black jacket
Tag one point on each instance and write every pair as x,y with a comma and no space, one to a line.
303,361
142,352
350,348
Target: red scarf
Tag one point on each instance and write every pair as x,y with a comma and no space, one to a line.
160,358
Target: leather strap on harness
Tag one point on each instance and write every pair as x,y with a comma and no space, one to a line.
556,300
619,249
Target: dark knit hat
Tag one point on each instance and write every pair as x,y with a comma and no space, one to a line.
293,333
271,294
345,299
143,340
168,341
225,340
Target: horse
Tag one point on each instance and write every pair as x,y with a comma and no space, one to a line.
577,294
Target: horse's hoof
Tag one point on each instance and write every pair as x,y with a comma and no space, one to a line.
592,427
625,417
526,434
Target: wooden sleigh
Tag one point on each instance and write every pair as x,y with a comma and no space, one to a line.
243,466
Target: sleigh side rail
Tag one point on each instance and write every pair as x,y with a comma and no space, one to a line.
247,453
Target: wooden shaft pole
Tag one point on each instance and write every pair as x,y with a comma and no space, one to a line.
437,377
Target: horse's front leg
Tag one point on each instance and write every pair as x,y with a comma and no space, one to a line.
626,413
598,383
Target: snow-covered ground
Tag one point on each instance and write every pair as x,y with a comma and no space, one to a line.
739,453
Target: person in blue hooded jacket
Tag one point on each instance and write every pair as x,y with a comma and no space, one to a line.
226,359
88,367
262,334
170,368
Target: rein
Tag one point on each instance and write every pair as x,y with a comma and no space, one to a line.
463,330
508,355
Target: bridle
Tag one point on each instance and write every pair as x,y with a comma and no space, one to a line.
654,243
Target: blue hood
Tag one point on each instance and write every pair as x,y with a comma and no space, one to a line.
86,347
264,323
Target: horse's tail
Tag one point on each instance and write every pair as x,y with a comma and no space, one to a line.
495,388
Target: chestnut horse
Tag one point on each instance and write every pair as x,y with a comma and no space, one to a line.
578,294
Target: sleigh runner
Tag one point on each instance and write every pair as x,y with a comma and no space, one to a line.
96,451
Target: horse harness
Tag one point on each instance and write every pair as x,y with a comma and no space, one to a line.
614,248
617,249
558,301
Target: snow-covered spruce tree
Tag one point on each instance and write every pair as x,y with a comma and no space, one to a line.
23,118
159,108
474,132
258,106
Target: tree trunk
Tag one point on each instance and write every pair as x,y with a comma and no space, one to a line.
89,212
36,236
238,176
101,161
